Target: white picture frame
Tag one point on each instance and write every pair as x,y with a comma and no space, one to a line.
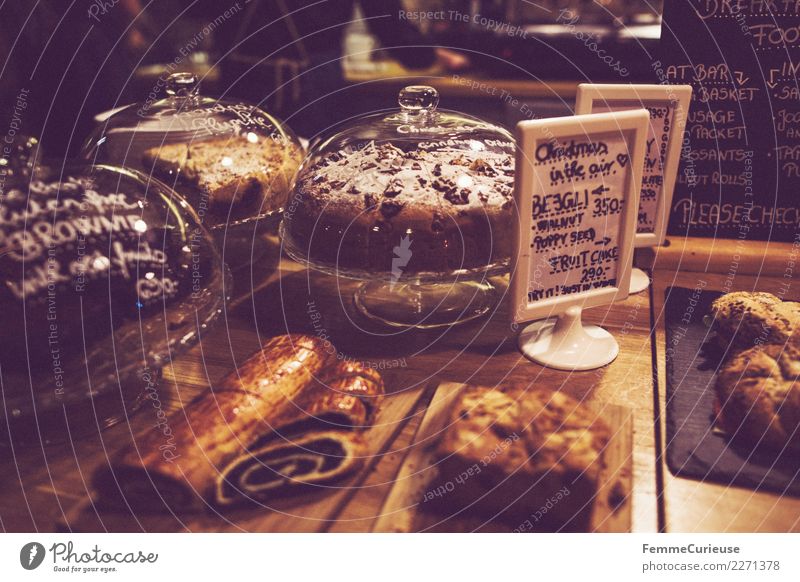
629,126
678,99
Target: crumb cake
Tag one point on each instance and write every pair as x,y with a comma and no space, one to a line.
510,451
451,208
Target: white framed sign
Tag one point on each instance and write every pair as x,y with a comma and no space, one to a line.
669,107
577,193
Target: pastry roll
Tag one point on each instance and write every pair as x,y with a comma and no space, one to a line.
318,441
284,464
291,386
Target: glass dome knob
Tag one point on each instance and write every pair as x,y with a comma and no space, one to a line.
417,99
182,85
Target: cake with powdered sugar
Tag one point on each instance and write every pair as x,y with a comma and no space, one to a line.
451,208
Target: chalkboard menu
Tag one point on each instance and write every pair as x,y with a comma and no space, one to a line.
577,188
740,157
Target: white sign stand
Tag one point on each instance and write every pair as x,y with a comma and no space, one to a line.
639,280
577,192
565,343
668,106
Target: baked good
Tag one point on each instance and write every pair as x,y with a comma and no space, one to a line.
744,319
230,170
759,395
509,452
292,407
280,466
454,207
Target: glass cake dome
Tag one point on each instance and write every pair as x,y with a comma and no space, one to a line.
106,277
417,201
232,161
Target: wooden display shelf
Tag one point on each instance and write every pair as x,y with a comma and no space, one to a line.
723,256
393,77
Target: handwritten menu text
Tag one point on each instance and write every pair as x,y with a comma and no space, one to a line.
740,162
577,208
655,154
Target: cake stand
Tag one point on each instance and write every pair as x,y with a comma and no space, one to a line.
420,300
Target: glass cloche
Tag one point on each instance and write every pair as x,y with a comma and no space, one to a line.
232,161
418,202
106,276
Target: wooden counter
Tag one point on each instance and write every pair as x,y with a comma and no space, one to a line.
48,489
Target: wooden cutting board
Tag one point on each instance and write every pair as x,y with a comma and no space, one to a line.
612,507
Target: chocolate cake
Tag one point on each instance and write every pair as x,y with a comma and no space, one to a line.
445,209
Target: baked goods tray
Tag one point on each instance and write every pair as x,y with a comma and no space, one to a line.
403,510
695,447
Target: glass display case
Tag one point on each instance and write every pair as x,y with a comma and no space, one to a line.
417,203
233,162
107,276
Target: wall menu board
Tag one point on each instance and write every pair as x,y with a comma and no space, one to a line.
668,106
577,191
740,162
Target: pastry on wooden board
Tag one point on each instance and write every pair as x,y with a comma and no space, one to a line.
745,319
317,457
758,395
292,399
510,452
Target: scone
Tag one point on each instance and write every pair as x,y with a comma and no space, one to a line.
744,319
759,396
230,170
517,454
